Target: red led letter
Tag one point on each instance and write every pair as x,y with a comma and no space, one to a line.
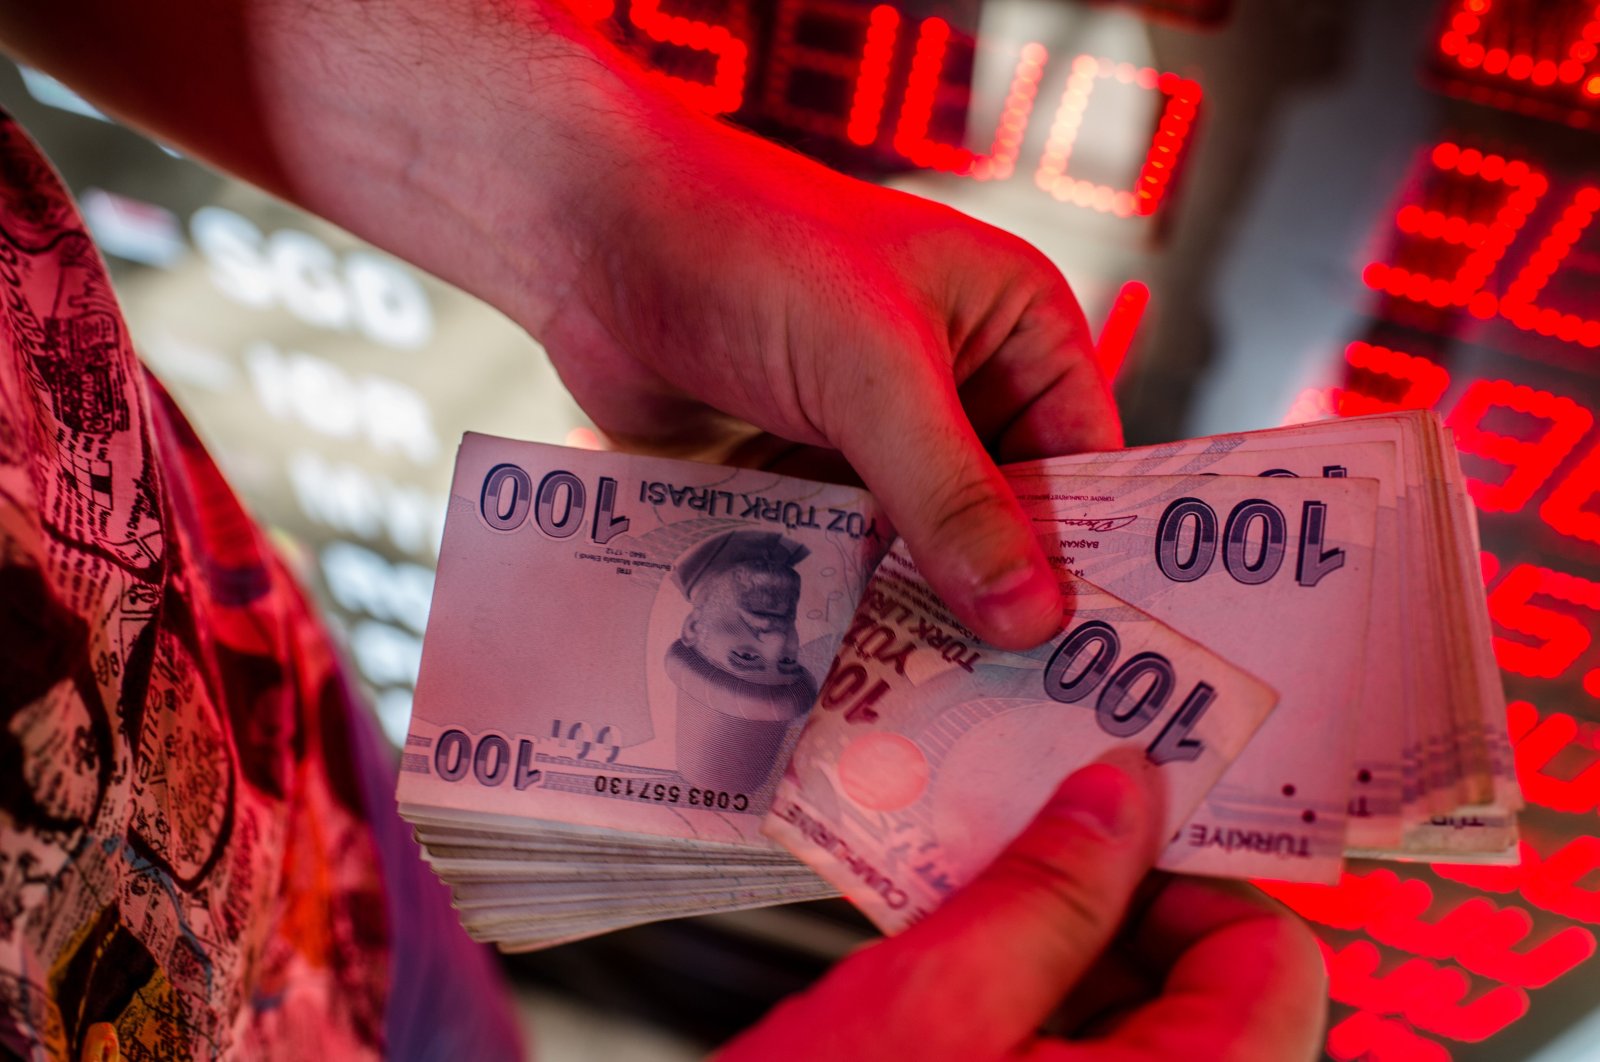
1183,97
726,91
1486,242
867,71
922,94
1530,463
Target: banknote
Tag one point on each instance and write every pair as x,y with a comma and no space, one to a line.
1433,772
627,642
1275,574
1385,764
928,750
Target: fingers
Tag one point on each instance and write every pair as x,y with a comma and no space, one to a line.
1243,980
907,435
974,979
1041,393
1010,945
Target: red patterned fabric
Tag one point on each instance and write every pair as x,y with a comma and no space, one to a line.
189,865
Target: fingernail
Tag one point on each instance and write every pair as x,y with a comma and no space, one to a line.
1100,796
1021,608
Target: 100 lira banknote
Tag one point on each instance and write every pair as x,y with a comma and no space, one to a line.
929,750
628,643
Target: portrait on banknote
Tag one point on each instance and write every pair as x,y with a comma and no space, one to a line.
735,664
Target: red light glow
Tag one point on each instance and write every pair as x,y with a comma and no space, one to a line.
725,93
1518,303
1121,323
1366,1037
1161,159
1483,937
1538,742
1423,380
1566,510
866,106
1485,242
1548,884
1353,902
867,71
1553,885
922,95
1493,37
592,10
1427,995
1530,463
1561,638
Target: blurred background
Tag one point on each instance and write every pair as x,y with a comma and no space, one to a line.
1272,211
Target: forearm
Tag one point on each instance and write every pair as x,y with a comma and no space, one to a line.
466,136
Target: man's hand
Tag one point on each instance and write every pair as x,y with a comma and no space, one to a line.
756,308
702,292
1060,933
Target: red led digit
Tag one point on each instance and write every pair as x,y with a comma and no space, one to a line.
1478,31
1121,324
866,70
725,93
1426,994
1561,638
923,89
1161,159
1517,305
1486,948
1369,1038
1424,381
1553,884
1550,884
1488,940
1566,510
1541,744
1484,241
1529,462
866,103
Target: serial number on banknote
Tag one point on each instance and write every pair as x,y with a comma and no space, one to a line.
666,793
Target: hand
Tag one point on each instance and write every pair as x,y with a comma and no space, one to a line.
702,292
738,300
1200,969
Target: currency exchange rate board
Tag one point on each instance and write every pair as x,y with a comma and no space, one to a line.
1271,211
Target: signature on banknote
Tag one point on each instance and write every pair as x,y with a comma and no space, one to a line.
1107,523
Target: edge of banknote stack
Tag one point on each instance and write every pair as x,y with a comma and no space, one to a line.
653,688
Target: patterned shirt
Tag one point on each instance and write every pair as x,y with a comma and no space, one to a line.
199,855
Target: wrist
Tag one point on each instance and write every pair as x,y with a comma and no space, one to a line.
486,142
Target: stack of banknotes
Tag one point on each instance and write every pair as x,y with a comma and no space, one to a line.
655,688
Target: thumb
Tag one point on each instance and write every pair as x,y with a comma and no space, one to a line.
1014,941
914,448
